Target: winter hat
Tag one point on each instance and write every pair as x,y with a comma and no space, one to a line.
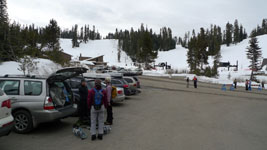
108,79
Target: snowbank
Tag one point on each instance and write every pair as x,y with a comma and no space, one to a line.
44,67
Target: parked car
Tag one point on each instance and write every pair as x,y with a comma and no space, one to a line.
120,92
118,81
138,71
132,84
137,81
6,118
100,76
40,99
75,84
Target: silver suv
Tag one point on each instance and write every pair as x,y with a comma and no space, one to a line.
40,99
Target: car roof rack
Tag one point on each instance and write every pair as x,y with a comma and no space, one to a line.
96,75
23,76
114,74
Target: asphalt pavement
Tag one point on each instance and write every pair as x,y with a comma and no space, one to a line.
166,115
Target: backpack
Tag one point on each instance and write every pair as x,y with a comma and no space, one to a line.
113,92
98,99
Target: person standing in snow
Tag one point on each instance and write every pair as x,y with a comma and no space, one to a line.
246,84
262,85
195,81
109,120
97,102
235,83
187,82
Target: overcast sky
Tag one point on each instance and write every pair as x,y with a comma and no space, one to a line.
107,15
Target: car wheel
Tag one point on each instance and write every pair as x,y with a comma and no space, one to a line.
23,122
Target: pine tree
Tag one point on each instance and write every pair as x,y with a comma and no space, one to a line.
51,35
254,55
236,32
228,34
5,51
75,42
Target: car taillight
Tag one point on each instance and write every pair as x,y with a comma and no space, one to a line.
6,103
48,105
135,85
125,86
119,92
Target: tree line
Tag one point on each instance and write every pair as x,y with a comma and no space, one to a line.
17,41
83,35
142,45
260,30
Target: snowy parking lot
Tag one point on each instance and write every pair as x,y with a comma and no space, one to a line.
166,115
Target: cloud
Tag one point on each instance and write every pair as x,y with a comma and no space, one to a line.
180,15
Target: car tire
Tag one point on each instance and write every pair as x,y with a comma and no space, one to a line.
23,122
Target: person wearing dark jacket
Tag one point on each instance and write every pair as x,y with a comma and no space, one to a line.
97,103
187,82
235,83
195,81
82,106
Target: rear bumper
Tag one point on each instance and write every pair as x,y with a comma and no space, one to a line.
127,91
6,127
119,98
51,115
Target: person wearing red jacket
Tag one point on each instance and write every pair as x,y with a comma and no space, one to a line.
97,102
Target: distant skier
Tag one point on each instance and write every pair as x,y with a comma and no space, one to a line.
195,81
246,84
235,83
249,85
187,82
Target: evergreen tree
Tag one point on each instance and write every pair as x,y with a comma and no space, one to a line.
228,34
6,52
75,42
254,55
236,32
52,34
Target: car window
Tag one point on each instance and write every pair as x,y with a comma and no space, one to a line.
33,88
115,82
75,84
10,87
90,84
129,80
124,81
1,93
135,79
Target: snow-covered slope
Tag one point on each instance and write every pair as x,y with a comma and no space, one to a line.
238,52
44,67
108,48
176,58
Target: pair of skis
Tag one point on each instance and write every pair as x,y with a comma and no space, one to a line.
77,131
